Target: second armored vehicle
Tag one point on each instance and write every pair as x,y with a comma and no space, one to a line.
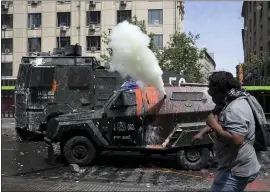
51,85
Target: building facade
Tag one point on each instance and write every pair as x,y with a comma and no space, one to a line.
35,26
208,65
256,30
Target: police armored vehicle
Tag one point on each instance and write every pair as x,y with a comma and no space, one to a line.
49,85
139,119
136,118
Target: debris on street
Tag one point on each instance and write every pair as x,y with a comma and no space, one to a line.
74,168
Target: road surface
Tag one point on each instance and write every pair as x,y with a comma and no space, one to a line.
25,167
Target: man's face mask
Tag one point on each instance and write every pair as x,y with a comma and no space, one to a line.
217,97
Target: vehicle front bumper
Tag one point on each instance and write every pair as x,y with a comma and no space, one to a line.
54,151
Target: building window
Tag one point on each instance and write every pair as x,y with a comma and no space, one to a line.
254,19
93,43
261,11
63,18
34,20
7,45
62,41
261,51
249,25
123,15
269,49
34,2
34,44
7,21
158,41
93,17
155,16
61,2
6,69
9,3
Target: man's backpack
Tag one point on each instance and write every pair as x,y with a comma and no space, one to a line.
262,127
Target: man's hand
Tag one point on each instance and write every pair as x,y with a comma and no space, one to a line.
198,137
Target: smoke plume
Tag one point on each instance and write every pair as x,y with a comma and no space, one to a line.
132,57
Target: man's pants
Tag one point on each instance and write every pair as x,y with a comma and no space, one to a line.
226,182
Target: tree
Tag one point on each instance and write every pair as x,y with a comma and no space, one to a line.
254,68
182,56
140,23
255,63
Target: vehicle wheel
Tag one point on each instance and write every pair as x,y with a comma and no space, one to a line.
193,159
79,150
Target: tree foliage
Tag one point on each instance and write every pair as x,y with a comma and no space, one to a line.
182,56
254,68
140,23
255,63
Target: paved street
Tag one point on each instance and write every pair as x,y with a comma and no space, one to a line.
25,167
17,156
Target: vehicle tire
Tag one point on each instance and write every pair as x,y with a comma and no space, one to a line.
79,150
193,159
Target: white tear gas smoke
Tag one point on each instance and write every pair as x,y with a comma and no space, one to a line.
132,57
